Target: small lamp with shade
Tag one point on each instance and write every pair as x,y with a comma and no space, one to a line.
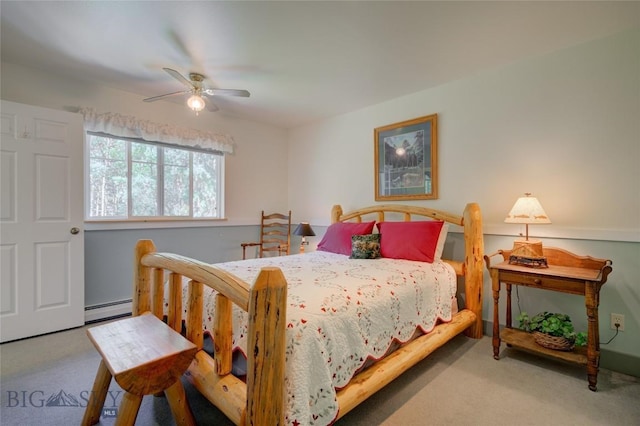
304,230
527,252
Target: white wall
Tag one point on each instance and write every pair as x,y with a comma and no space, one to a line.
565,126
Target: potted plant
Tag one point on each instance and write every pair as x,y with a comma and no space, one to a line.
552,330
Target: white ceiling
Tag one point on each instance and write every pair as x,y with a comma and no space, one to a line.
301,61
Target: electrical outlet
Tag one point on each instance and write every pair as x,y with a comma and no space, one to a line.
617,319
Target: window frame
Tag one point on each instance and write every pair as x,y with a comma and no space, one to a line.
132,220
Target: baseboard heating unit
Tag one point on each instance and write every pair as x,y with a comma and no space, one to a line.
105,311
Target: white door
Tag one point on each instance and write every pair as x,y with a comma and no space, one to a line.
41,221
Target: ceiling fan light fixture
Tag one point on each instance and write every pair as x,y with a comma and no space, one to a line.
197,90
196,103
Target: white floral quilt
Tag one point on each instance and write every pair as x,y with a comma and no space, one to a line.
341,313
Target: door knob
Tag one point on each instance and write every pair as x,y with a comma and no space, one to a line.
74,230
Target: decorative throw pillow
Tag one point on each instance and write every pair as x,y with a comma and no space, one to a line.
365,246
337,239
410,240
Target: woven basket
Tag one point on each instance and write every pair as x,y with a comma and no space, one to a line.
553,342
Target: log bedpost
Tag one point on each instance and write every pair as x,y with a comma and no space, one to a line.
142,278
336,212
266,347
473,266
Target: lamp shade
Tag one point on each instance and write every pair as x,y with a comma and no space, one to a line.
527,210
304,229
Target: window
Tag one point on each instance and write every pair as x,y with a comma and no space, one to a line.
135,179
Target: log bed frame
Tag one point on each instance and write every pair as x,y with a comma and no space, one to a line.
260,399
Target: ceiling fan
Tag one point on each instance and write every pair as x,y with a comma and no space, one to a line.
199,92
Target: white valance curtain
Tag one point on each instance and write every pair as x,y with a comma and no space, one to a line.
131,127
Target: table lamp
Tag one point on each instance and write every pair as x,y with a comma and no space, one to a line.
527,252
304,230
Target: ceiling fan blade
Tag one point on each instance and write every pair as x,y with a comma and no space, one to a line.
175,74
210,105
156,98
228,92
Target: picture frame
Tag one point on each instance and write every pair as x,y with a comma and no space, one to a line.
406,160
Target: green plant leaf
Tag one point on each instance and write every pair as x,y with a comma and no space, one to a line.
554,324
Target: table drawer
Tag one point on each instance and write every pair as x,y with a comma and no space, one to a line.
548,283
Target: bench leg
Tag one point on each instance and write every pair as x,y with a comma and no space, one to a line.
98,395
128,410
179,405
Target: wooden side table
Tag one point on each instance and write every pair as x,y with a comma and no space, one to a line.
567,273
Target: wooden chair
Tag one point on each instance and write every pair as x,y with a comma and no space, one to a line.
275,235
145,356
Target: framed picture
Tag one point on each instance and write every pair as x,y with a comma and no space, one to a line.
406,160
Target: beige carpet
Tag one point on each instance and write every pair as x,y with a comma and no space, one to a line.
460,384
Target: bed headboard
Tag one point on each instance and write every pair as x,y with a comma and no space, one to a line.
470,268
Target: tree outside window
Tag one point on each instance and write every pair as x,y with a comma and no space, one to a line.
131,179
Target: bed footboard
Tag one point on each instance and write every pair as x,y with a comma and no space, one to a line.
261,400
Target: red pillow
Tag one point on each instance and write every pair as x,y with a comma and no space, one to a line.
337,239
409,240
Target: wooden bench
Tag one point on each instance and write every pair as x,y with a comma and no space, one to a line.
146,357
